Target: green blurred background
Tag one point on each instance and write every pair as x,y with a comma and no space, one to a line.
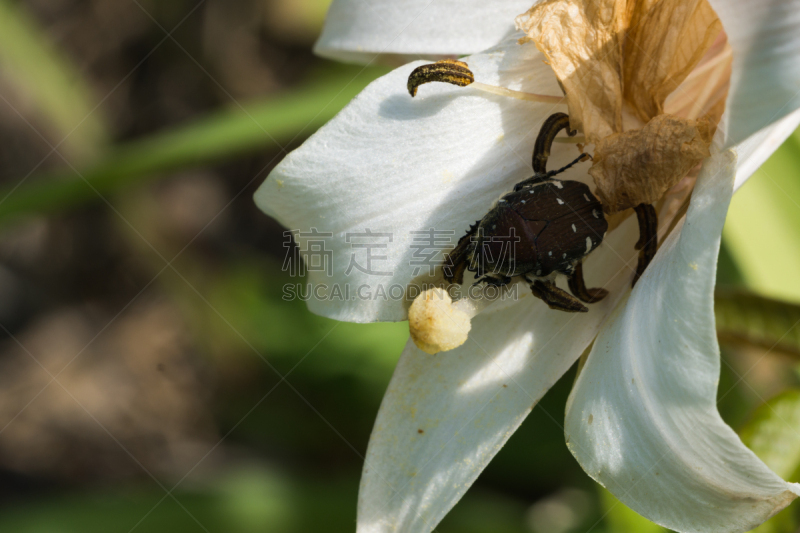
151,377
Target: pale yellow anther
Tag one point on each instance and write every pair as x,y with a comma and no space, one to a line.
436,325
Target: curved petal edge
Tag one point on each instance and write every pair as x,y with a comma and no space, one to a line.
359,31
642,419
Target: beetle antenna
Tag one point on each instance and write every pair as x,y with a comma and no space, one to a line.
582,157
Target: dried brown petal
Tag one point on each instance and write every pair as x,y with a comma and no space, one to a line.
665,41
582,40
639,166
606,52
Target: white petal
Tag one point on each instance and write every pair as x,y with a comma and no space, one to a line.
469,401
642,419
765,80
395,164
358,30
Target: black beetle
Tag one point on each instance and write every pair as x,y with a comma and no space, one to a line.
543,227
557,222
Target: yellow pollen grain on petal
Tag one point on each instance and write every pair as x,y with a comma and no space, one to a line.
435,324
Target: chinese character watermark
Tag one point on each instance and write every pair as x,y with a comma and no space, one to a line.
306,252
366,242
428,249
496,253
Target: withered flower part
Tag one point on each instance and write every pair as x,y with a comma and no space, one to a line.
639,166
617,56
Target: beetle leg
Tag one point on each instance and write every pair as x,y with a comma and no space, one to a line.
556,298
648,238
578,287
455,261
498,281
541,149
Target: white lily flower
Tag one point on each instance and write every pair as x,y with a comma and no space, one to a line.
642,417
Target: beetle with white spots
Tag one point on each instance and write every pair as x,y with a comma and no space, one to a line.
544,227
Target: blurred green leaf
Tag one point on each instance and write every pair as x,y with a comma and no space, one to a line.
783,522
250,295
47,82
245,499
762,230
242,500
212,138
747,318
773,434
728,272
620,518
481,511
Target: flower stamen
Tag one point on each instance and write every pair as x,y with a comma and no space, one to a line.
439,324
578,139
519,95
446,71
436,324
458,73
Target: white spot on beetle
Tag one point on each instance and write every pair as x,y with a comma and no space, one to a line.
563,256
588,244
558,184
494,226
538,272
574,229
523,201
550,254
587,198
560,201
595,214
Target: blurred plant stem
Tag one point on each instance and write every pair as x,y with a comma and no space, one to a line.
44,84
219,136
748,319
244,498
772,435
